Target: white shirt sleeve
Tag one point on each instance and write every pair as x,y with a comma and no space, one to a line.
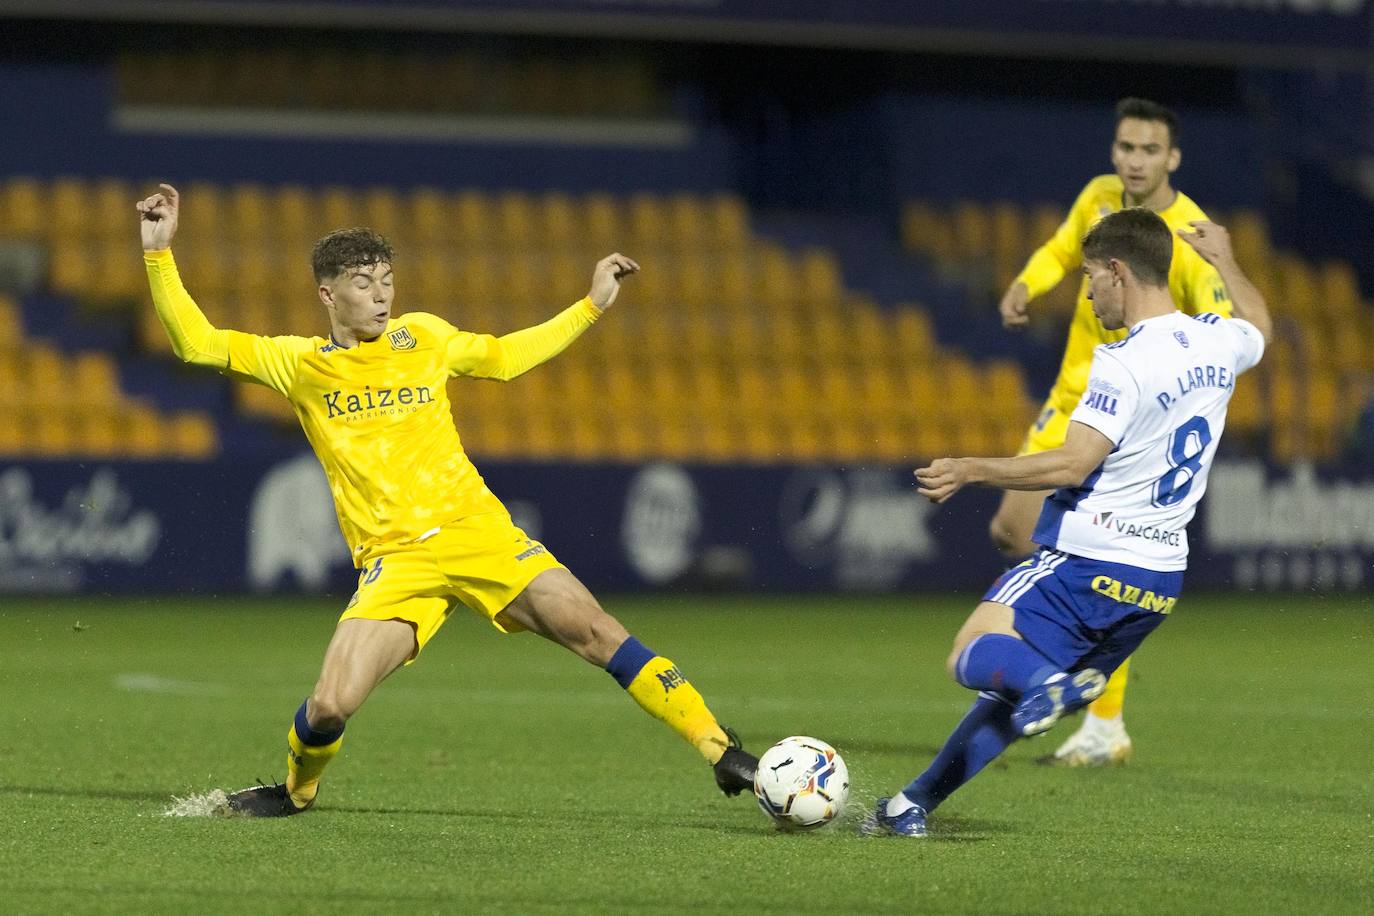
1111,397
1247,340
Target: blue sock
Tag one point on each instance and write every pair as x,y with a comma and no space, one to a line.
313,737
628,661
1002,663
984,732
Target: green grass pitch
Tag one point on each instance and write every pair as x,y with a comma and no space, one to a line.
502,774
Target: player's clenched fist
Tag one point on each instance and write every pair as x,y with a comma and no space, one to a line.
1013,306
159,221
942,479
606,279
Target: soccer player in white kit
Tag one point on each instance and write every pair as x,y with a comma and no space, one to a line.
1112,536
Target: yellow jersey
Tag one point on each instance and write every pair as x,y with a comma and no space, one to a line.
378,414
1194,284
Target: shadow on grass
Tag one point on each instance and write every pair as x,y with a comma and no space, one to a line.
590,817
115,794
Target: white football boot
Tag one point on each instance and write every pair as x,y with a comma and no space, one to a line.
1097,743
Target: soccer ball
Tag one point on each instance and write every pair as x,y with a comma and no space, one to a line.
801,783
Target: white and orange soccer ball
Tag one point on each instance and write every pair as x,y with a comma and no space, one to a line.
801,783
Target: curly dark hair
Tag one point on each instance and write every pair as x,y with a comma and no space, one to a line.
345,248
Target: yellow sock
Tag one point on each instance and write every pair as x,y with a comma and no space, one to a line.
660,690
304,764
1108,706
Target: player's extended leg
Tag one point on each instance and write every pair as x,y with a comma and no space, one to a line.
360,656
560,608
990,657
1012,526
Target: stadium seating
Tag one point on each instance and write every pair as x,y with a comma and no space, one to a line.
71,405
1291,405
727,348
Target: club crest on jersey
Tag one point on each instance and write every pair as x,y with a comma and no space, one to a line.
401,339
1181,338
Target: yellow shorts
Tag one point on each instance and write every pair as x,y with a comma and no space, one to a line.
1049,431
483,561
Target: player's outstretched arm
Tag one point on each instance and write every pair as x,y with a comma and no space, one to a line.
1213,242
1067,466
510,355
194,339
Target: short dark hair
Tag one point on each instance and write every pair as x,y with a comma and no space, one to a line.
1145,110
345,248
1138,238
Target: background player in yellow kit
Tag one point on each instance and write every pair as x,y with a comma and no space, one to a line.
425,531
1145,153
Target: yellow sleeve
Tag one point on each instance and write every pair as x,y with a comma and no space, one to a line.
505,357
1205,291
194,339
1063,252
269,360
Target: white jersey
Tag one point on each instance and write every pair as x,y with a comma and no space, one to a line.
1160,396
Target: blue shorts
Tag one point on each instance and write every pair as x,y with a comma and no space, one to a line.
1081,613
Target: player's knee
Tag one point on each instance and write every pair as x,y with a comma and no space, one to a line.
952,662
1008,537
330,708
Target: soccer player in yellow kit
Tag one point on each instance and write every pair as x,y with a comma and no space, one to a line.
425,531
1145,153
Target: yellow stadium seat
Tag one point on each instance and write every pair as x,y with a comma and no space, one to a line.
727,221
94,376
922,224
100,434
14,435
72,268
67,208
1340,288
687,222
337,209
1250,239
192,435
119,273
972,227
428,212
23,209
517,224
778,282
559,220
649,225
11,319
251,215
914,334
731,283
1298,291
600,222
820,277
45,436
45,371
382,210
111,210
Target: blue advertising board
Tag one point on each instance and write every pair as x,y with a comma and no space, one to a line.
267,525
